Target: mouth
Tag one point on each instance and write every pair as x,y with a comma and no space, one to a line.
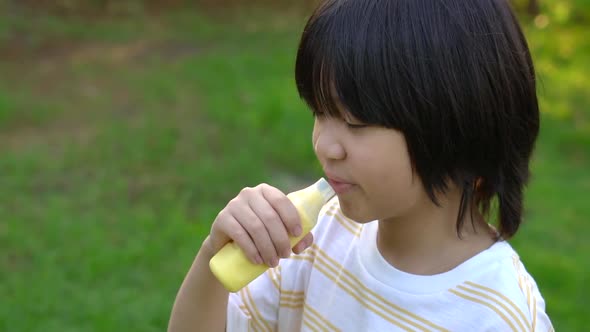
339,186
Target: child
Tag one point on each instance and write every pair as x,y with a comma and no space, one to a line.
425,114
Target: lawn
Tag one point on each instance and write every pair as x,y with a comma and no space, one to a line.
121,138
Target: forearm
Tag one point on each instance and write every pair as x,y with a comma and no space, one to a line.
201,302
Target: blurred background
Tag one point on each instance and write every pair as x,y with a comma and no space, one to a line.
125,126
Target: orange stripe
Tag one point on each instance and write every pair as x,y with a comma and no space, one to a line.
317,314
306,316
528,292
354,283
476,300
534,323
502,296
515,262
273,279
532,303
337,211
526,287
245,311
306,323
361,298
521,284
293,303
496,302
262,323
344,224
253,319
291,299
357,283
369,303
335,204
299,300
295,306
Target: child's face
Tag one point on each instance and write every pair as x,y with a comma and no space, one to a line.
369,168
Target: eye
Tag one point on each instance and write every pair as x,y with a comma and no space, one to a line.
352,122
355,125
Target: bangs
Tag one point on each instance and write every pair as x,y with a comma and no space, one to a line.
340,64
455,77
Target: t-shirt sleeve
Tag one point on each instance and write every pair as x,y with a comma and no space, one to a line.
539,320
255,307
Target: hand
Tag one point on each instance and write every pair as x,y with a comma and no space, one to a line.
259,220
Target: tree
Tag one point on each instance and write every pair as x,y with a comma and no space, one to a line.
533,7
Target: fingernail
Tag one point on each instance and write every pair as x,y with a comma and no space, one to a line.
274,262
258,259
296,230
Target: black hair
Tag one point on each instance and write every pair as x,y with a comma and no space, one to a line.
454,76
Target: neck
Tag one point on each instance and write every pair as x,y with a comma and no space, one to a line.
425,240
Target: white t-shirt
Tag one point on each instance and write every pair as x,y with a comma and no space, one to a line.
342,283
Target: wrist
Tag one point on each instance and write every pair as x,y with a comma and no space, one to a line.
207,248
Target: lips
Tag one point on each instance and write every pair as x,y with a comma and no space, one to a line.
339,186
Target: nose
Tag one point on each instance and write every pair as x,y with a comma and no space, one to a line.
327,141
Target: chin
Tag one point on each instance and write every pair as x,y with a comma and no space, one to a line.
355,214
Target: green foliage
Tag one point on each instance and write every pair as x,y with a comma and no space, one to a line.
122,142
557,11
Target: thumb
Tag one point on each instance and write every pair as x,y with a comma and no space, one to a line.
212,244
304,243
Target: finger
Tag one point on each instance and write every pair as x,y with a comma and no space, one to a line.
273,223
235,232
257,231
285,208
305,242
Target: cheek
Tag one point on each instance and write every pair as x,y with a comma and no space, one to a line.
391,169
389,178
394,195
314,135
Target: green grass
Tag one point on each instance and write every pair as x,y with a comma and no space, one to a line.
123,138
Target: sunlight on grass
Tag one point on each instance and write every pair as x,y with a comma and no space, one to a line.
143,128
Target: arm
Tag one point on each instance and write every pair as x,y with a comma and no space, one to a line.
201,302
259,221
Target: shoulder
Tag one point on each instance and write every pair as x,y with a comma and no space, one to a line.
504,275
504,292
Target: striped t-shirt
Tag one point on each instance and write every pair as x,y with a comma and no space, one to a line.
342,283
